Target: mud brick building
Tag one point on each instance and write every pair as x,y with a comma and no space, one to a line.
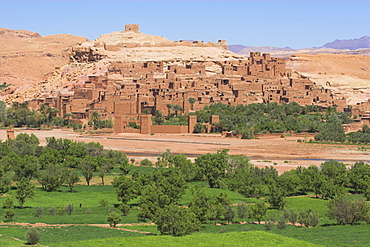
130,87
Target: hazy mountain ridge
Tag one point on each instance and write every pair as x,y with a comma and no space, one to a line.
359,46
351,44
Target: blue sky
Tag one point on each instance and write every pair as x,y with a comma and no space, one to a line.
296,24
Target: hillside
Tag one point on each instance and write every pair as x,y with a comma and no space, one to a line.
28,58
347,75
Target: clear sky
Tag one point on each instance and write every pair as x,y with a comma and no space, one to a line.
297,24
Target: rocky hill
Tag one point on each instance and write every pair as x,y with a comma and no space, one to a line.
27,58
37,66
347,75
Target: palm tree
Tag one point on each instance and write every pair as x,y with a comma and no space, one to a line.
177,108
169,107
95,116
192,101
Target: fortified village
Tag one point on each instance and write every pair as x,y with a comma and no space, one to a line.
130,73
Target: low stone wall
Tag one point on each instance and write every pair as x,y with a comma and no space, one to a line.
172,129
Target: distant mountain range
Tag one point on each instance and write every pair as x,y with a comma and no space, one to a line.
359,46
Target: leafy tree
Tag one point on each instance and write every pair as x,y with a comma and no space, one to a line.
242,210
126,188
25,189
28,167
8,204
200,205
186,167
52,177
359,176
87,168
336,171
276,198
50,157
176,221
344,211
258,211
71,178
331,132
151,201
113,219
5,180
170,181
213,167
229,213
9,214
124,208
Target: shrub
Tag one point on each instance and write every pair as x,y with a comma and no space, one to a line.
69,208
88,211
269,225
146,162
61,211
125,209
52,210
39,211
103,203
8,203
223,229
281,223
113,218
9,214
32,236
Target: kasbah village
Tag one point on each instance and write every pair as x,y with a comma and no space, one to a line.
137,82
132,75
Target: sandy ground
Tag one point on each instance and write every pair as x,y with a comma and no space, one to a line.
282,153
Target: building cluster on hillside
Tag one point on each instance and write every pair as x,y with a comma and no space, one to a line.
130,88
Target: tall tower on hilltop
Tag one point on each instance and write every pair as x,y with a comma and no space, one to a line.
132,27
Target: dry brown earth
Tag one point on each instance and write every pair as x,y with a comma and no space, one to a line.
26,58
346,75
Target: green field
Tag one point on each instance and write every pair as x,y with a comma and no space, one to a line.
255,238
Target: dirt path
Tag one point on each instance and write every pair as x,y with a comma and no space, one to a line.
4,224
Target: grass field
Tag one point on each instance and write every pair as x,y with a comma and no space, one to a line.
56,235
255,238
91,212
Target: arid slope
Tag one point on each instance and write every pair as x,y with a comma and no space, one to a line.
347,75
26,58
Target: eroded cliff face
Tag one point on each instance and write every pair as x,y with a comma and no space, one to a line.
27,58
346,75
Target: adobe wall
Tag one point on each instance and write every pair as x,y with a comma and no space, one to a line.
170,129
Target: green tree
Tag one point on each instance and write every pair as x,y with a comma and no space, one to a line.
25,189
359,176
242,210
71,179
213,167
176,221
344,211
258,211
52,177
126,188
229,213
113,219
87,168
276,198
192,101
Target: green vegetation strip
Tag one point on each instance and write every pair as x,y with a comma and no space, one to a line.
255,238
